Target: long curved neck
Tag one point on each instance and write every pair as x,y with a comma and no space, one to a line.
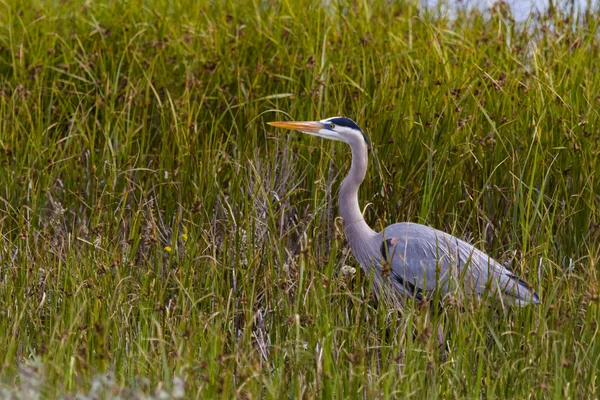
356,229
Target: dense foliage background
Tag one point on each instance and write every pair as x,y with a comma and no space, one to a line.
158,238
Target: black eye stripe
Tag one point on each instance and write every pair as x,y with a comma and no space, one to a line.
348,123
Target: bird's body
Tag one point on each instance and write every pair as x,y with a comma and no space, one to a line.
415,259
412,260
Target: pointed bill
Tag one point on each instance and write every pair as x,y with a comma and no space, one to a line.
302,126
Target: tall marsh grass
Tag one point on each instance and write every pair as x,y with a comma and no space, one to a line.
159,239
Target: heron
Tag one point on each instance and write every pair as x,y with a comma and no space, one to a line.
410,259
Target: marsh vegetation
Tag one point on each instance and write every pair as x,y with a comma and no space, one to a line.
158,238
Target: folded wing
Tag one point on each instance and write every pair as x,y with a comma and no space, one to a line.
421,259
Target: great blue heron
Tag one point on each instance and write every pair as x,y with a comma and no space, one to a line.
411,259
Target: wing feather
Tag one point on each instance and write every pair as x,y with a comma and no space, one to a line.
422,259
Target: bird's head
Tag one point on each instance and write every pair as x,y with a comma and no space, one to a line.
335,128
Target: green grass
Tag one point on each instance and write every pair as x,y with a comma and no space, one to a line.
158,236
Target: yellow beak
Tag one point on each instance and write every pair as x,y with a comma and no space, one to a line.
303,126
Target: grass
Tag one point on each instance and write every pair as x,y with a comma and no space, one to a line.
159,239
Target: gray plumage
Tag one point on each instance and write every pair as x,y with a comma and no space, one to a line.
411,259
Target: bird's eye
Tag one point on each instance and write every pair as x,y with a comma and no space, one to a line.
331,126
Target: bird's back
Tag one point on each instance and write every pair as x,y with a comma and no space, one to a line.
421,258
